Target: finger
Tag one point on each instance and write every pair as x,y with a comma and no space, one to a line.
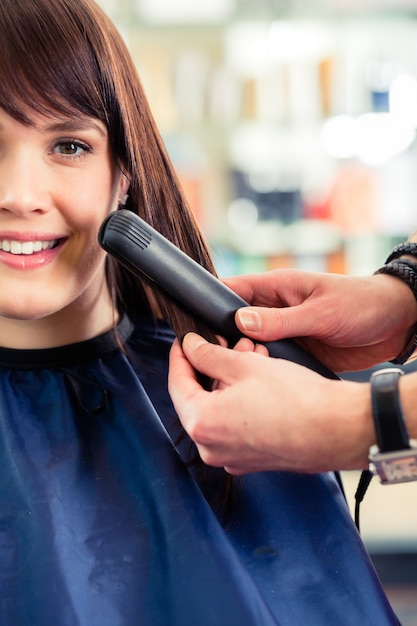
237,471
242,285
183,384
219,363
261,349
244,345
269,324
247,345
255,288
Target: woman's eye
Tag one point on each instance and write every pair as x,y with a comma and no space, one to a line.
71,148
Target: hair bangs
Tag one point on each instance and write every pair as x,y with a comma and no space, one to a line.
63,74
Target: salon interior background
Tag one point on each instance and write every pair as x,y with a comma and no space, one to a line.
292,123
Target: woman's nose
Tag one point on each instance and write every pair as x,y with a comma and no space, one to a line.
23,182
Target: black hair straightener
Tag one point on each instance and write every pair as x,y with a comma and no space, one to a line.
154,259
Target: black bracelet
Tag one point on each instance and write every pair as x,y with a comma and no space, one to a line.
403,249
406,271
403,269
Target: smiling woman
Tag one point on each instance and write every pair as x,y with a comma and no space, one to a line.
107,515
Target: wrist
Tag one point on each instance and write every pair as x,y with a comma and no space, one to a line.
401,264
399,306
351,422
398,298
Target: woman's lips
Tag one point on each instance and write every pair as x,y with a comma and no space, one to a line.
29,254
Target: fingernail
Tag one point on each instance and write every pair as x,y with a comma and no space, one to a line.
250,320
193,340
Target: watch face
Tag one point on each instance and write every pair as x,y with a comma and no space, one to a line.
395,467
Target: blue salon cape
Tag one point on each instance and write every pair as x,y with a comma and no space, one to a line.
103,524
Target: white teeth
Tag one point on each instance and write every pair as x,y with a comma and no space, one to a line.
25,247
15,247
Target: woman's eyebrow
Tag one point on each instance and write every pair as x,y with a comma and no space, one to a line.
79,124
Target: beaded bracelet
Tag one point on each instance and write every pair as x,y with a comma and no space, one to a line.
405,270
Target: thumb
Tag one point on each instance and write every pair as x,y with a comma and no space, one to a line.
268,324
215,361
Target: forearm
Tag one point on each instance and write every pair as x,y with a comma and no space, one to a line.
349,432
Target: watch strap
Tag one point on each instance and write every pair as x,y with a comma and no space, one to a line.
390,427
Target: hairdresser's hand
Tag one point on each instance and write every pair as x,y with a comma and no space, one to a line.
268,414
348,323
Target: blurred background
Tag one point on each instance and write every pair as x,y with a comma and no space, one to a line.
292,125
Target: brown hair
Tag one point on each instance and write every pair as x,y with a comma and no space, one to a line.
66,56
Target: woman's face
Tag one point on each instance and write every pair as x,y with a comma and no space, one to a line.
58,181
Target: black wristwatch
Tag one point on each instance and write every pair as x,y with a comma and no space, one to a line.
394,458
